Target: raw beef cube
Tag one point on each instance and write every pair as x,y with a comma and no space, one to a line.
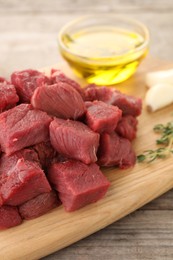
74,140
115,150
101,117
129,105
92,92
9,217
57,76
78,184
127,127
24,181
39,205
46,153
7,163
8,96
23,126
26,82
60,100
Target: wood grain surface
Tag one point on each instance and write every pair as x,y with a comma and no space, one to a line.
28,33
130,189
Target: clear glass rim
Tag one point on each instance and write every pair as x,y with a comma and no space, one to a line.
121,17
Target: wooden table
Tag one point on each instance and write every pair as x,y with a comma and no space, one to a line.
28,33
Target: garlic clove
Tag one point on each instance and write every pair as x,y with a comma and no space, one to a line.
159,96
164,76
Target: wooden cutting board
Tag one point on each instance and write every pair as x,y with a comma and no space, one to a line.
130,189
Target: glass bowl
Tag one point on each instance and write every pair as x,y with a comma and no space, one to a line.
104,49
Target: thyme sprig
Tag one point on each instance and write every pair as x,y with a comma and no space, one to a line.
165,140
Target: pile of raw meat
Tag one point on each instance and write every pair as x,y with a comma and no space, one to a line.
54,136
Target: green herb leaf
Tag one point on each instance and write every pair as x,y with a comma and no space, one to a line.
166,140
141,157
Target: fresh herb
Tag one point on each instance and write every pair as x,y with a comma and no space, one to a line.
166,140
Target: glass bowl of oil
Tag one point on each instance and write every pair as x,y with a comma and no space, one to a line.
104,49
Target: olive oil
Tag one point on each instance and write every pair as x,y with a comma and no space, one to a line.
103,55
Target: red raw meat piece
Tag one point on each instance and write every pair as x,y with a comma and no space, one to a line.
39,205
26,82
57,76
127,127
78,184
60,100
115,150
101,117
22,182
129,105
8,96
9,217
105,94
8,162
46,153
74,140
23,126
